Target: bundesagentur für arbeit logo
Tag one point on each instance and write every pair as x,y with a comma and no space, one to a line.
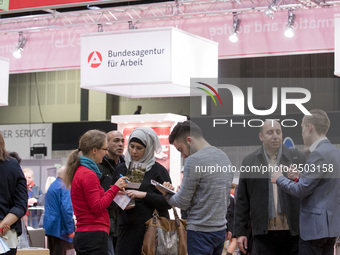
95,59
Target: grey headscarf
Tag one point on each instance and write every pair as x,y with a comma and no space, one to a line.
149,137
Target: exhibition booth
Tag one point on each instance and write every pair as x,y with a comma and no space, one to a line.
156,60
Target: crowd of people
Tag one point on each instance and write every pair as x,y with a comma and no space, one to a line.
290,211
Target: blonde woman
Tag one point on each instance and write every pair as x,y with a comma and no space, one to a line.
89,199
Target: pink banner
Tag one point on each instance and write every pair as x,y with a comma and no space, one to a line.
259,36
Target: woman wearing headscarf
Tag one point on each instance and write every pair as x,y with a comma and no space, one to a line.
89,199
143,143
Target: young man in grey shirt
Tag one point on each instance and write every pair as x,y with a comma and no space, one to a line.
204,190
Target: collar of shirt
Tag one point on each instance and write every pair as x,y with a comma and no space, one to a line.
316,143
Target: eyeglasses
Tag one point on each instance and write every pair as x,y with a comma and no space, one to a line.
105,149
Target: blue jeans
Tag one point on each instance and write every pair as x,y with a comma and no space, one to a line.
205,243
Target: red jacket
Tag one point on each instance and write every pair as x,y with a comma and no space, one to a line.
90,201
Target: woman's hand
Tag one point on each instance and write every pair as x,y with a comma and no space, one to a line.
135,194
122,182
4,230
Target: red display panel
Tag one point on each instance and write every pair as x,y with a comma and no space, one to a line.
20,5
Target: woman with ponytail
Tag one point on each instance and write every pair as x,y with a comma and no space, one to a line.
89,199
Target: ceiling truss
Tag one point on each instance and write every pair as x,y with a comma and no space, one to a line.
174,10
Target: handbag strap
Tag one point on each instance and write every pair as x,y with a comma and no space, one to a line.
155,215
176,216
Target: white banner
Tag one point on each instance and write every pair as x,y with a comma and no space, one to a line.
4,78
146,62
21,138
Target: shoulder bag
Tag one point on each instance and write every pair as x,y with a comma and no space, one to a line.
164,236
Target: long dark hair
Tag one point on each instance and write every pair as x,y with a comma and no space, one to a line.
3,152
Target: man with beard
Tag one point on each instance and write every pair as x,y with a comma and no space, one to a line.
115,149
273,215
205,193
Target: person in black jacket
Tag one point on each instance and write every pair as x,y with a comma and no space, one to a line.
273,214
230,218
143,143
13,198
114,157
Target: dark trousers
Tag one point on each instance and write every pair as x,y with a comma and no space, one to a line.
56,245
205,243
91,243
276,242
324,246
11,252
130,239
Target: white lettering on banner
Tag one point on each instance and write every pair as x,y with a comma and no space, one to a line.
7,48
71,40
226,29
259,27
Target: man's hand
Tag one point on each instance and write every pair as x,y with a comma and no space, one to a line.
167,185
277,174
293,173
242,243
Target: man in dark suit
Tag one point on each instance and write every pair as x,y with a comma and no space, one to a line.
318,188
272,214
114,157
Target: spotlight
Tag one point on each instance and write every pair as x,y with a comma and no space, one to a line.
131,25
100,28
20,47
270,11
289,32
236,25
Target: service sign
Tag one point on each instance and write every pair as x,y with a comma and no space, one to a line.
21,138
